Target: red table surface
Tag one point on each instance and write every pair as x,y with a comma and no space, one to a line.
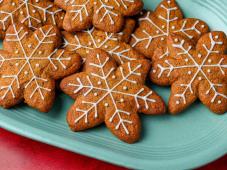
19,153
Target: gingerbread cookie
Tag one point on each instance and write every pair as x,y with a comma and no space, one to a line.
199,72
85,41
106,15
111,94
33,13
29,64
150,38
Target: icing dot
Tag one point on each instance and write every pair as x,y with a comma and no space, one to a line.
113,77
95,3
40,52
16,51
203,26
216,37
122,100
90,43
177,102
29,45
154,71
37,1
95,94
106,104
208,71
26,72
168,1
37,65
186,60
21,12
33,10
163,26
125,88
99,82
199,55
209,61
200,78
13,4
17,64
99,40
105,46
189,72
157,31
175,40
87,51
62,17
173,27
162,38
219,101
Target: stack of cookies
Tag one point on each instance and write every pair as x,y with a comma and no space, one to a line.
103,51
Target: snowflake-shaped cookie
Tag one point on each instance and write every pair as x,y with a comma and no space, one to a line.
33,13
105,93
199,72
29,64
150,38
107,15
85,41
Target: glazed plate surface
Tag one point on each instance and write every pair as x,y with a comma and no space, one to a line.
189,140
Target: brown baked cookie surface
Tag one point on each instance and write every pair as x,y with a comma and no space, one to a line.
111,94
194,72
29,64
33,13
150,38
114,43
106,15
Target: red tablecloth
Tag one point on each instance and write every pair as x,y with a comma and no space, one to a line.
19,153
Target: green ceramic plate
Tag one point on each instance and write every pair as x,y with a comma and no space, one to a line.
189,140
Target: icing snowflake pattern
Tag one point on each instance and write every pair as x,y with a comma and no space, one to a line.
156,26
106,12
22,68
33,14
200,66
85,41
109,89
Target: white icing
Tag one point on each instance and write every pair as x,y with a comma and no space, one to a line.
164,30
18,36
106,11
24,9
201,68
125,88
110,90
107,38
122,100
80,9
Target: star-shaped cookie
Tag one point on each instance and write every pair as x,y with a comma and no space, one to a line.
33,13
30,62
107,15
150,38
111,94
195,72
114,43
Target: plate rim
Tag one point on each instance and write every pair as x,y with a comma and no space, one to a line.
106,155
191,162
